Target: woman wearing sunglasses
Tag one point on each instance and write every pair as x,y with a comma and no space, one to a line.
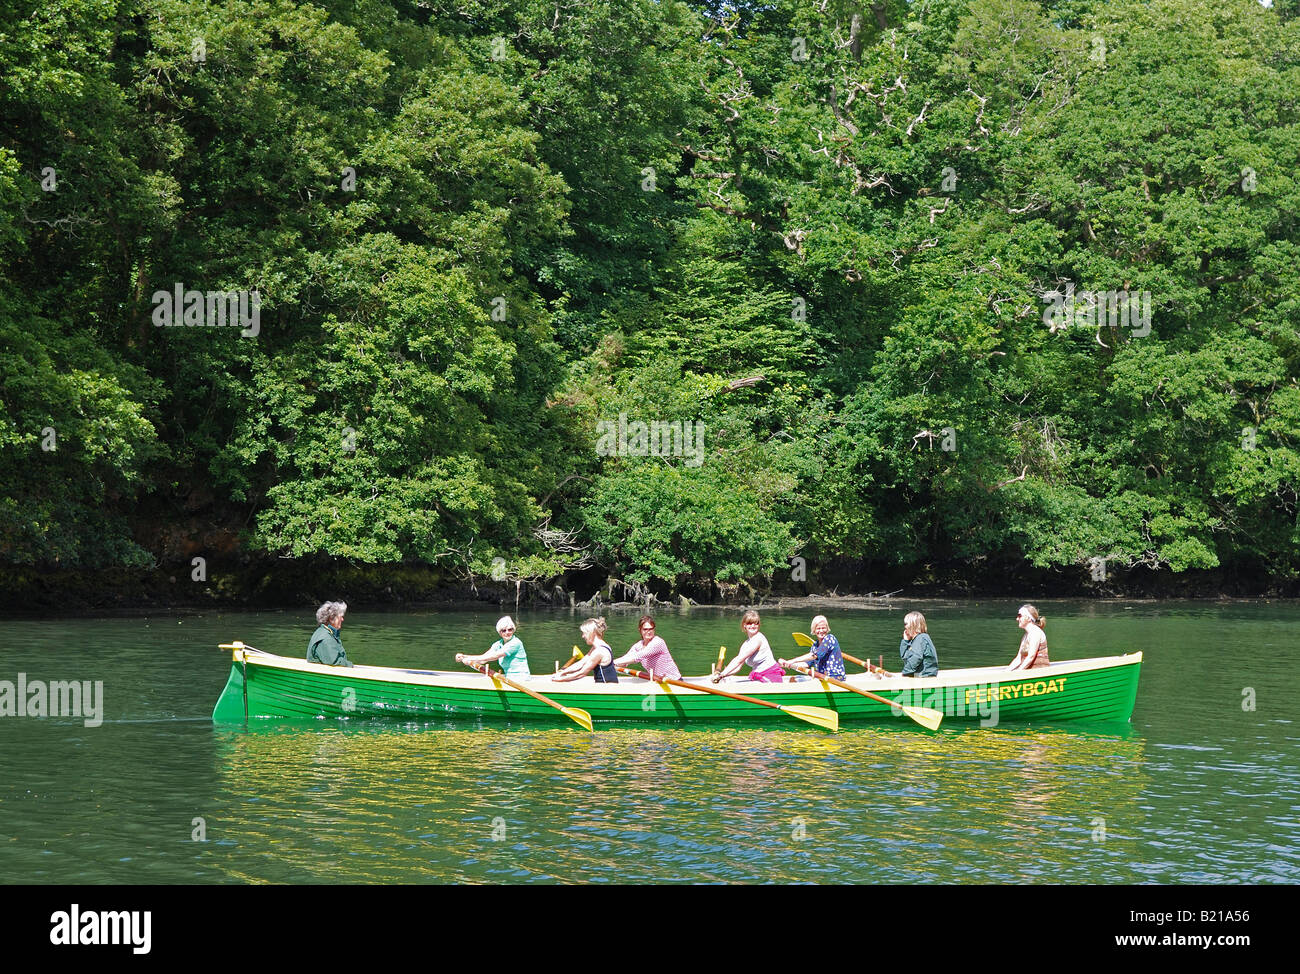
652,653
1033,646
508,649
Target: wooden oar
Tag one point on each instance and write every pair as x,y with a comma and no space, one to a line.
807,642
575,714
922,715
577,655
820,716
722,655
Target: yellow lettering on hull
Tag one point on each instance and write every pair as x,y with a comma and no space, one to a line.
1014,691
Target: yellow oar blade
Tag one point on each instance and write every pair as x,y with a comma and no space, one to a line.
820,716
716,668
578,716
575,714
927,718
807,642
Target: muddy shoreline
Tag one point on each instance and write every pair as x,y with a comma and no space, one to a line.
291,584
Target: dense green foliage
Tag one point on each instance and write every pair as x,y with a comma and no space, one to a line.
824,236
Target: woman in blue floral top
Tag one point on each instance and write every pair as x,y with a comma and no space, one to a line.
825,654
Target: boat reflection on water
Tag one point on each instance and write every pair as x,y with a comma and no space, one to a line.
391,803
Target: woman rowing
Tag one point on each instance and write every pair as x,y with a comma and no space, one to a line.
1033,645
599,662
755,651
825,656
651,652
508,649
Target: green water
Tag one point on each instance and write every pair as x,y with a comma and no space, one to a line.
1197,789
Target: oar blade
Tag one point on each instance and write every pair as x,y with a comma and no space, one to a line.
578,716
575,714
803,639
927,718
827,719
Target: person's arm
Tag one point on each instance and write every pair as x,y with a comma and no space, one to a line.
328,651
819,656
497,651
742,655
581,668
805,658
631,656
933,650
1023,654
913,656
571,666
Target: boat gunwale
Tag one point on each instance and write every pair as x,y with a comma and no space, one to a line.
971,676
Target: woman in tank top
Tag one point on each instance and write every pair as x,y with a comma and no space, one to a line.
756,652
599,662
1033,646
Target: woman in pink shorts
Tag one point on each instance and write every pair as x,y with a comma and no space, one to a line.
756,652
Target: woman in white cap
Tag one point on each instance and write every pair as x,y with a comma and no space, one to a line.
508,649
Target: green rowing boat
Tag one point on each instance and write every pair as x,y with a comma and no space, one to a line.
262,685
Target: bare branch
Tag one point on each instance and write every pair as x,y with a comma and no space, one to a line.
1013,479
919,119
735,384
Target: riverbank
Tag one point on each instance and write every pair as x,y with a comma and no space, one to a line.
249,583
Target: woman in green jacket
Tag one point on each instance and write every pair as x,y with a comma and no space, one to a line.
326,646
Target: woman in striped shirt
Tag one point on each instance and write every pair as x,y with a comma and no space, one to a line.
652,653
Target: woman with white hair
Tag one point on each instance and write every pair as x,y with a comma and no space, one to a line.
508,649
326,645
825,656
